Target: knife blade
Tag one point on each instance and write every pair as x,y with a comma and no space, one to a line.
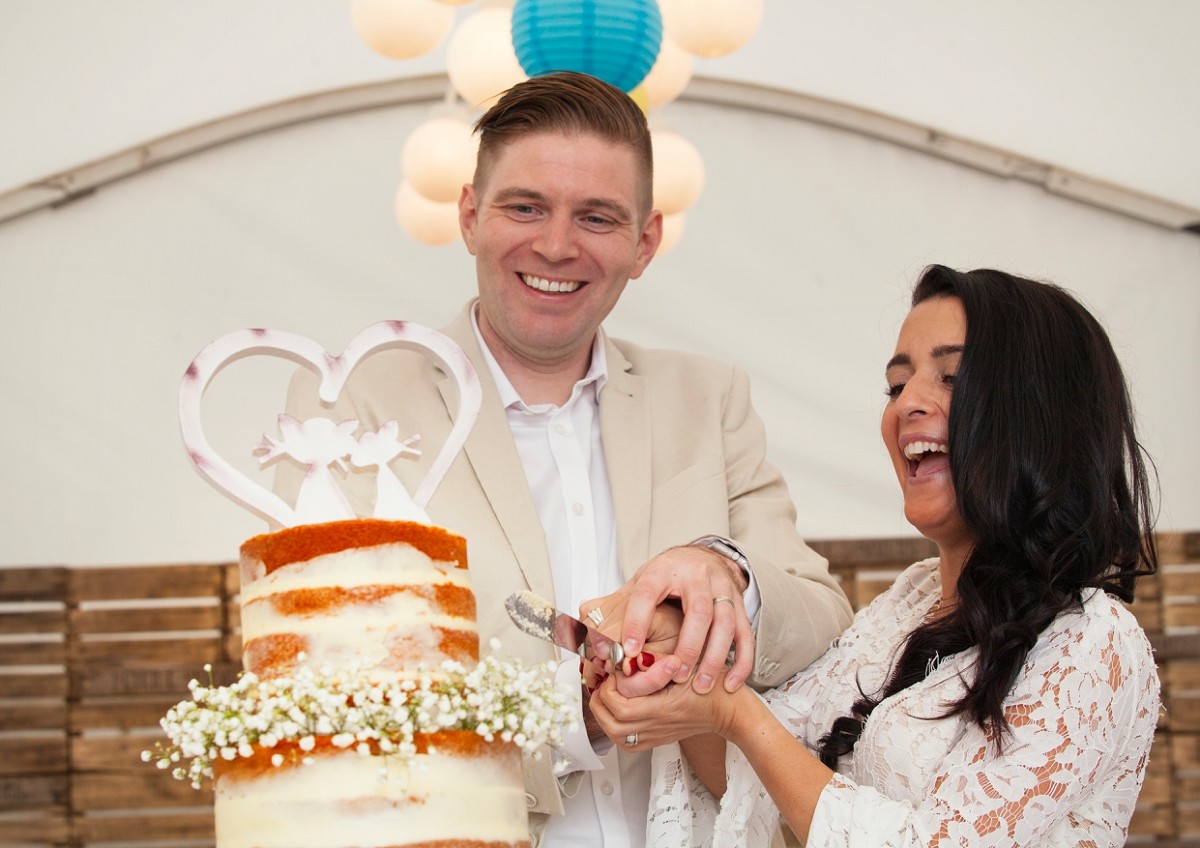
536,616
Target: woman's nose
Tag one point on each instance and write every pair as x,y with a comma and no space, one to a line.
915,399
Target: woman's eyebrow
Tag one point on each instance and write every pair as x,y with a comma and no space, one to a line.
947,350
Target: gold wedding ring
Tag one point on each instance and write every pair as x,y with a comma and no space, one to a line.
595,616
722,599
631,740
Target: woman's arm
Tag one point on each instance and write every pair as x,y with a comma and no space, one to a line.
793,776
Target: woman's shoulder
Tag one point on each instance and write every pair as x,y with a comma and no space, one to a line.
1102,638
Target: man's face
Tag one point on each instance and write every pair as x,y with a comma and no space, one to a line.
556,234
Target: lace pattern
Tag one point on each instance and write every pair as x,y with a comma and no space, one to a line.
1082,717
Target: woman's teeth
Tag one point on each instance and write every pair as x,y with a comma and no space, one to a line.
914,450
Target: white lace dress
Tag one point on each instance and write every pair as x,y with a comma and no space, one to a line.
1082,715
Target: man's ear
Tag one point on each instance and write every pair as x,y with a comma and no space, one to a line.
648,242
468,216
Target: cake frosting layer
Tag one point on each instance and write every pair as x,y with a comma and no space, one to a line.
459,791
385,605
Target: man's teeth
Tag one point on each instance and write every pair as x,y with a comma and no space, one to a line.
550,285
914,450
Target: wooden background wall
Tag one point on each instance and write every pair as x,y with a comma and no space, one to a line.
91,658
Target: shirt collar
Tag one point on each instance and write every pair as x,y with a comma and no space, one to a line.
596,376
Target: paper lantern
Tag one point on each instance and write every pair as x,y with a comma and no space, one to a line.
673,227
401,29
439,157
678,172
670,75
423,219
615,40
480,59
711,28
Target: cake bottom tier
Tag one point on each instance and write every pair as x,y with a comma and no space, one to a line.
459,792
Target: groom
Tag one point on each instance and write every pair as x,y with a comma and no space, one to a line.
595,464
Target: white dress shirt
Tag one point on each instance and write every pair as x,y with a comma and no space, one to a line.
563,458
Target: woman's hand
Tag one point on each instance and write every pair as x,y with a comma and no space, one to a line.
655,666
673,713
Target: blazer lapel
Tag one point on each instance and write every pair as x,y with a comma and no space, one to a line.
625,430
493,457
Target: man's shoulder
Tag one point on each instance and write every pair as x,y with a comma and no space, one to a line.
648,361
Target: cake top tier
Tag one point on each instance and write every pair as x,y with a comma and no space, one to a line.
320,444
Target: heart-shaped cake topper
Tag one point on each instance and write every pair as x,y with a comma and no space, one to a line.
320,443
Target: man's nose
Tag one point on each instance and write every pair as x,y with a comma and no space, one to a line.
556,239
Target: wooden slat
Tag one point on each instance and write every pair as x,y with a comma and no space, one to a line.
155,581
33,792
191,651
112,753
149,787
38,755
1180,581
1179,616
147,619
1185,751
192,825
149,679
119,714
30,685
32,653
33,715
33,584
35,828
873,552
1152,821
36,621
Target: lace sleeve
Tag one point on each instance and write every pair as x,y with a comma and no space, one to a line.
1082,718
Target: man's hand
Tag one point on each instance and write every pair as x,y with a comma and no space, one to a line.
697,577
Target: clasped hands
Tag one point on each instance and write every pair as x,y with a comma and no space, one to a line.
680,619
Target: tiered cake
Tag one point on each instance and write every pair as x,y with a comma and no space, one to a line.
364,716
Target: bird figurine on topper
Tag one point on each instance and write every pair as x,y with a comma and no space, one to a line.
319,443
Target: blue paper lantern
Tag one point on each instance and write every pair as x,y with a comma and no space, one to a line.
615,40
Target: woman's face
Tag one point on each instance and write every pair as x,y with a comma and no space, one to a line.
915,425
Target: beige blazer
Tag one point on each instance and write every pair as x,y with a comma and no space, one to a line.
686,457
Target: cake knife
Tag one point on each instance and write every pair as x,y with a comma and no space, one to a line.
536,616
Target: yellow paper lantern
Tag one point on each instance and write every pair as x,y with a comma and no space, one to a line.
425,220
710,28
480,58
670,75
439,157
678,172
638,96
673,227
401,29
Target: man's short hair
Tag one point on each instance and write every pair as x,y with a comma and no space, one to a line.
572,104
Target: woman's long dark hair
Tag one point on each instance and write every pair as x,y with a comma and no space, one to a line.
1049,478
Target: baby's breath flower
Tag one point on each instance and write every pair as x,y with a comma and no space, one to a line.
364,710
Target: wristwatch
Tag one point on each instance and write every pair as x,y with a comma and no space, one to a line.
725,548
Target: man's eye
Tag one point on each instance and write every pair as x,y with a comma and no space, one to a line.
948,379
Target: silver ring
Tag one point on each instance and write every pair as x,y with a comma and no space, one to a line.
617,654
722,599
595,616
630,740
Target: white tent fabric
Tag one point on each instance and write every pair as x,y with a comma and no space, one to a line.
795,263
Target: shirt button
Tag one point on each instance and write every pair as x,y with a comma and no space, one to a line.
577,508
530,801
560,429
606,788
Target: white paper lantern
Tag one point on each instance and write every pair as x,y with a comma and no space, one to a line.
425,220
439,157
710,28
401,29
670,75
480,58
678,172
673,227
